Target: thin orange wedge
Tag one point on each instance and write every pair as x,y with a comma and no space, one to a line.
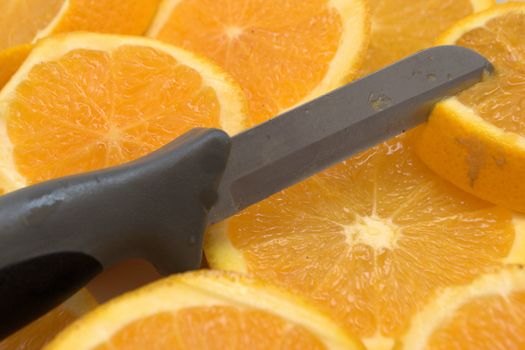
85,101
283,52
205,310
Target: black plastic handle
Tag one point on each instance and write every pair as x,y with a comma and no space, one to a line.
56,236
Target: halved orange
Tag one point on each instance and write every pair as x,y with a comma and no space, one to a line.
370,240
23,22
403,27
283,52
40,332
85,101
486,315
205,310
476,140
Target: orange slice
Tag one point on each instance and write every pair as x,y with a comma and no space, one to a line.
41,331
87,101
489,314
10,61
476,140
205,310
370,240
403,27
23,22
283,52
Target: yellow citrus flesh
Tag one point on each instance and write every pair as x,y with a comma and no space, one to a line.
205,310
489,314
40,332
476,140
369,240
109,16
404,27
500,100
10,61
23,22
212,327
281,51
87,101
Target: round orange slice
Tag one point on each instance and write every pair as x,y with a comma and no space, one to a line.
282,52
85,101
403,27
205,310
486,315
23,22
370,240
476,140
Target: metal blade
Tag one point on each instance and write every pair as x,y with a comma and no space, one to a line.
311,137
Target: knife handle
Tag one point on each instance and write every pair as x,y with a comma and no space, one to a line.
58,235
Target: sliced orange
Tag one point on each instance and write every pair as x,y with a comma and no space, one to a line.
489,314
84,101
10,61
282,52
370,240
23,22
205,310
476,140
403,27
40,332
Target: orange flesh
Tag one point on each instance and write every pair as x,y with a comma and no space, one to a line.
109,16
40,332
21,20
278,50
371,239
92,109
212,327
488,323
500,100
10,61
403,27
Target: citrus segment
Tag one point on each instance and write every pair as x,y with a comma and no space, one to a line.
282,52
403,27
205,310
86,101
109,16
476,139
10,61
209,327
23,22
500,100
38,333
369,240
489,314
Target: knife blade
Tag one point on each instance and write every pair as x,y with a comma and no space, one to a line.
305,140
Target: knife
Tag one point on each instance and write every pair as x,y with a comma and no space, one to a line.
56,236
